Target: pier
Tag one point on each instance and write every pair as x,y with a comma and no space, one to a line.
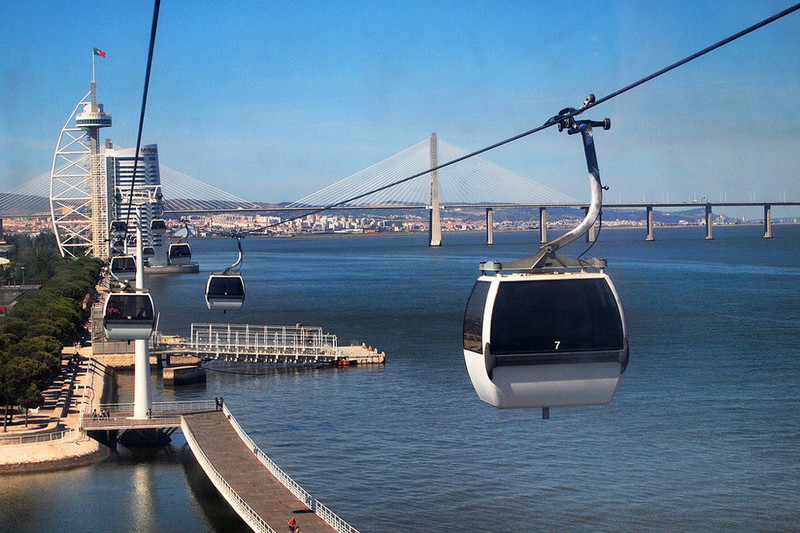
278,345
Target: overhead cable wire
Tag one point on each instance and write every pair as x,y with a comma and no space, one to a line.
554,120
153,28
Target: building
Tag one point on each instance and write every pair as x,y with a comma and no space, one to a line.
137,199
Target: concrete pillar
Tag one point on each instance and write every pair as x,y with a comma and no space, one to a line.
767,221
650,237
543,225
489,224
709,223
142,395
591,235
435,226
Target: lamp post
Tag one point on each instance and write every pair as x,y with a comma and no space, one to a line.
23,275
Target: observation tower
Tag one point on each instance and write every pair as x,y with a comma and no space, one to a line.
78,183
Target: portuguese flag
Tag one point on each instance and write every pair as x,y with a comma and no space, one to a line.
99,52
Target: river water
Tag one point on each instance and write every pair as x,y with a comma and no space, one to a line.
703,435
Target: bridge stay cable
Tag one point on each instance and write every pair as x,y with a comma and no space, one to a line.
590,103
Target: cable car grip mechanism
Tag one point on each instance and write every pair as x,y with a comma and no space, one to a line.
546,258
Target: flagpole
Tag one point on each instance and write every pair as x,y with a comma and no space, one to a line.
93,54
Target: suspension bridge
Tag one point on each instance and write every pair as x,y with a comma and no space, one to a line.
475,183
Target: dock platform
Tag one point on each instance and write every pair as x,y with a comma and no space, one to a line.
271,345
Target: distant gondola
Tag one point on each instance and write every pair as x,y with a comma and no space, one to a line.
128,316
119,228
123,267
226,290
180,253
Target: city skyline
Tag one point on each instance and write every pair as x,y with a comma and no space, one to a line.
272,102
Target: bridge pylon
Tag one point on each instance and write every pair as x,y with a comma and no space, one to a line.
435,227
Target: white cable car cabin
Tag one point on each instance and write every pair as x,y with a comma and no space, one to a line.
226,290
119,229
128,316
180,253
545,340
123,267
548,333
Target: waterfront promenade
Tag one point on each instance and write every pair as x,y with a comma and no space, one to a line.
52,438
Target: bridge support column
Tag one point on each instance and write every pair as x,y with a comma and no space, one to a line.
767,221
435,226
650,237
709,223
543,225
591,235
489,226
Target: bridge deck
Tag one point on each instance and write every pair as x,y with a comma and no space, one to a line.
247,476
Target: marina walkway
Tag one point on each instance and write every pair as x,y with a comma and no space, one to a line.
264,496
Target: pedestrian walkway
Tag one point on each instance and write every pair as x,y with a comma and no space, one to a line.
244,476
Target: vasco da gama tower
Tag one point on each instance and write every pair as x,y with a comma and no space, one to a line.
90,186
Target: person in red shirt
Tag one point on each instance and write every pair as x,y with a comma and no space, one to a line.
292,525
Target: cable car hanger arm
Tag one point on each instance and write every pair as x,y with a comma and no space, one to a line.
546,258
241,253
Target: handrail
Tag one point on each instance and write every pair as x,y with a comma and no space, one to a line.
126,422
331,518
162,407
252,518
69,435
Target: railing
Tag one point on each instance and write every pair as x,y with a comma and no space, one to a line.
119,415
88,385
245,511
162,407
319,509
68,435
124,422
246,339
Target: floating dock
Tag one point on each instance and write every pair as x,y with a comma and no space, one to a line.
296,345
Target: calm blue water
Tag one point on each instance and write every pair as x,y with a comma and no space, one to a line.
703,435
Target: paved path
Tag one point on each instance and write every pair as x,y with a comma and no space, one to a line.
248,476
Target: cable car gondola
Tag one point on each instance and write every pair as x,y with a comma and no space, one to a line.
128,316
119,228
226,290
545,340
544,331
123,267
148,252
180,253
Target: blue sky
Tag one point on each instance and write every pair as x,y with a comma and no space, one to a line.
275,100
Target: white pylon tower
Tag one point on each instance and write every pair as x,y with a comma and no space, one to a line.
435,228
78,185
142,393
